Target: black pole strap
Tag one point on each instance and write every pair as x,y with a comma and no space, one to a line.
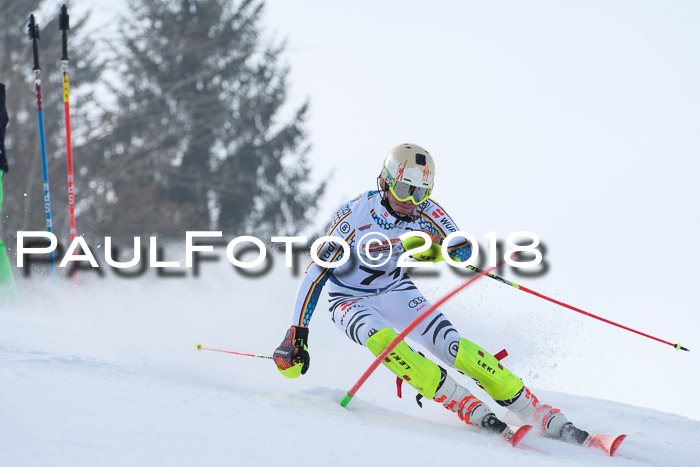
33,30
64,26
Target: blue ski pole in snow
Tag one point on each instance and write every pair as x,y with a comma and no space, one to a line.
34,37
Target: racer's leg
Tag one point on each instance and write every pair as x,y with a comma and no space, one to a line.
439,337
435,333
359,319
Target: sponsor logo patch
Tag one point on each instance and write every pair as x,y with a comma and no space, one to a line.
375,247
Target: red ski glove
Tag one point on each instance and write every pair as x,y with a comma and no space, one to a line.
292,356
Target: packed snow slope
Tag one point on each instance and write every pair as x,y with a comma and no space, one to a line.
108,375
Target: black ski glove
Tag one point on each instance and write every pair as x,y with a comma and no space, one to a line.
292,356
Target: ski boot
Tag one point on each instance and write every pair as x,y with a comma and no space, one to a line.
606,443
528,409
472,411
571,434
554,424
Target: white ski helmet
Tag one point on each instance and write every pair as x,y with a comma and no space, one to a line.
409,173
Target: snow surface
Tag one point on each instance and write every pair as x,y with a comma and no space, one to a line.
109,376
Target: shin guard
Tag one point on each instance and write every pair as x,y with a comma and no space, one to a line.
487,371
416,370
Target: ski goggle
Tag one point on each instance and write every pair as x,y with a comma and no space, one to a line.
404,192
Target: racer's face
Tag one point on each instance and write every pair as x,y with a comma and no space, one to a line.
402,207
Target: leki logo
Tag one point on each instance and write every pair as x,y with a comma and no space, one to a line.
397,358
486,367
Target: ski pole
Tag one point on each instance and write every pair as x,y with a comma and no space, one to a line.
200,347
578,310
63,26
411,326
34,37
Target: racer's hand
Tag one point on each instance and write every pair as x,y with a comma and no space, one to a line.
432,254
292,356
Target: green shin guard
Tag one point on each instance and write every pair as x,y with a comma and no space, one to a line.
416,370
488,372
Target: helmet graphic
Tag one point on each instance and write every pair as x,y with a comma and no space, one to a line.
408,172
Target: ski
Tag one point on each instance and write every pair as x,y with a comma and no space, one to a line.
513,435
607,443
492,425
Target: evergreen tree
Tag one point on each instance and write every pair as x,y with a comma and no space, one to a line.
199,142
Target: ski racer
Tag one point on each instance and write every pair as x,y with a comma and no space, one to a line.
368,301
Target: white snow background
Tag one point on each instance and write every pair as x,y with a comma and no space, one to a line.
110,376
576,120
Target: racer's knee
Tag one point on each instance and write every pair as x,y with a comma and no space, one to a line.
439,337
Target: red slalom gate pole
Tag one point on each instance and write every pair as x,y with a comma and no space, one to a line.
578,310
412,325
200,347
63,26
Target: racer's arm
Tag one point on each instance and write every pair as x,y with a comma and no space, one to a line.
438,224
292,356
